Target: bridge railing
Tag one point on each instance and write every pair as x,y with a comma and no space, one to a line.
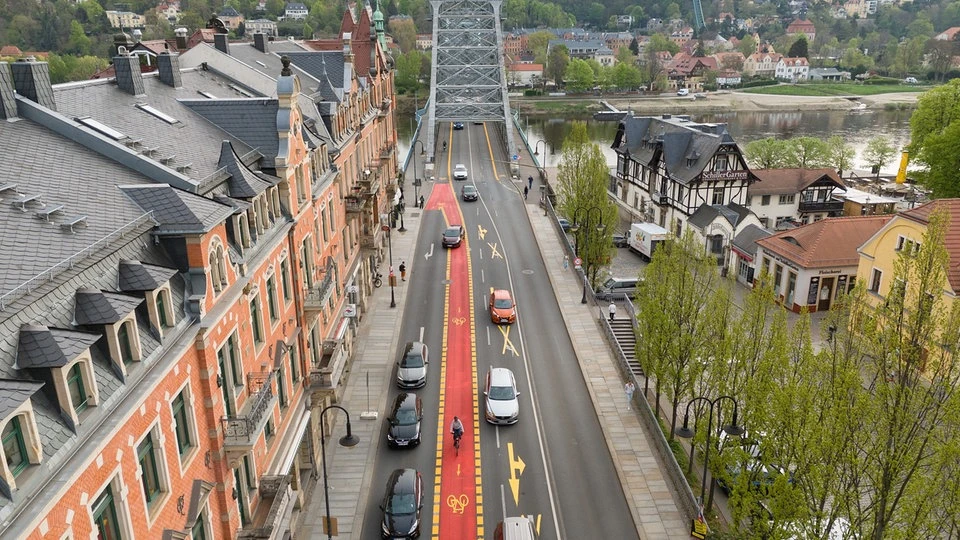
418,114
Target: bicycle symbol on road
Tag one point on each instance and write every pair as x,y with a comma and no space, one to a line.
458,504
459,321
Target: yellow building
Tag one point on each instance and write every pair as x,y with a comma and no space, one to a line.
904,234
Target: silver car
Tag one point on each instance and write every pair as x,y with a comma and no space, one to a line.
460,172
412,367
502,405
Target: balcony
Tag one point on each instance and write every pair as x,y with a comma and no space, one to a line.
276,506
384,108
326,375
318,296
829,207
660,198
372,239
369,183
354,204
240,432
387,151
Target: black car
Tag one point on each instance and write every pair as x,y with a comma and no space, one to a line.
404,421
453,235
469,192
401,504
458,125
620,240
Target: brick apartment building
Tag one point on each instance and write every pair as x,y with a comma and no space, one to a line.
181,252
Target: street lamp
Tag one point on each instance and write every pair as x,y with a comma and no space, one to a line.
400,213
347,440
685,432
588,212
416,180
392,278
536,147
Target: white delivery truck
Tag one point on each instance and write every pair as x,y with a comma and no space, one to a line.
645,237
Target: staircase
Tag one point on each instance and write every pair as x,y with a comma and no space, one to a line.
623,332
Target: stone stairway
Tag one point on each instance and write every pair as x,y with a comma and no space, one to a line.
623,331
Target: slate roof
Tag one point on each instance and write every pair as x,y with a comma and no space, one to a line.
136,276
746,241
826,243
42,347
95,307
14,393
321,65
708,213
243,183
791,181
951,236
685,147
177,211
251,120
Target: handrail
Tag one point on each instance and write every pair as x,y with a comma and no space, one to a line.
244,426
27,286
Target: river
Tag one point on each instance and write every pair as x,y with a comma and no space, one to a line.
856,127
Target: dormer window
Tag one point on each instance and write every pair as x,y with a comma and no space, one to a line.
154,282
77,388
126,352
218,267
242,230
19,435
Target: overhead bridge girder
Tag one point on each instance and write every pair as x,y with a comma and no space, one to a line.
468,80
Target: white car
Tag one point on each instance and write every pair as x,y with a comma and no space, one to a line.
500,391
910,80
683,92
460,172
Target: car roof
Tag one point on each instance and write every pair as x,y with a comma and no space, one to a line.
468,186
459,165
456,227
402,481
412,345
501,377
501,293
405,400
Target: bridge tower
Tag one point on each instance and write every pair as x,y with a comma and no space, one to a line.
698,21
468,80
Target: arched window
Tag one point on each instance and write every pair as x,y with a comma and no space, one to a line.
218,267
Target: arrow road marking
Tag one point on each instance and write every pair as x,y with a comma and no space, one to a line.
429,254
516,470
481,232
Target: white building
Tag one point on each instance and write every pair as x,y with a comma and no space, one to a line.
783,197
792,69
295,10
126,19
261,26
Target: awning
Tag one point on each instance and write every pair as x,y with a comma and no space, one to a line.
292,444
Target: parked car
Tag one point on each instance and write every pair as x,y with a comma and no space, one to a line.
404,421
910,80
621,240
453,235
460,171
761,475
412,367
458,125
683,92
564,224
401,504
614,288
502,307
469,192
500,391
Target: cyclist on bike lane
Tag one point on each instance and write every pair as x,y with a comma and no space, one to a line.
456,427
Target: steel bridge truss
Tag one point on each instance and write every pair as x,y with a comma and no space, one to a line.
468,80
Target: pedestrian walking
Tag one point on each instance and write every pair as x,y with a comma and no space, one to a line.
612,309
403,271
421,202
566,262
530,181
629,389
525,191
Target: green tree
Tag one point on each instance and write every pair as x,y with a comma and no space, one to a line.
807,153
660,42
582,178
747,45
407,78
404,32
557,63
537,43
941,154
634,47
579,77
626,76
879,150
936,109
626,56
799,48
78,43
769,153
840,154
307,31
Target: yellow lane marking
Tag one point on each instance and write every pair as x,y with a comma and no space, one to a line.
490,150
507,344
516,470
441,428
450,154
494,253
481,232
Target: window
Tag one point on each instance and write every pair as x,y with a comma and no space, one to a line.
717,195
149,473
282,387
777,277
105,516
294,354
285,280
199,529
765,200
875,277
248,472
272,307
241,498
255,323
182,422
787,199
229,352
161,304
78,393
218,268
126,345
15,447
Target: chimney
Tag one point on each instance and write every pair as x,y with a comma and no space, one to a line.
168,64
8,101
127,67
181,34
121,39
347,48
32,81
221,43
260,42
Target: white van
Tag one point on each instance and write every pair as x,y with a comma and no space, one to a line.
515,528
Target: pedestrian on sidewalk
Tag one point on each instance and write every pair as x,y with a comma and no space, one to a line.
525,191
421,202
403,270
566,262
629,389
612,309
530,181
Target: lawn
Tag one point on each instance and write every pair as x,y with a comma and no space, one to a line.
835,89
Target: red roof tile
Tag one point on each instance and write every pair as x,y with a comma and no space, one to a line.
787,181
829,242
951,236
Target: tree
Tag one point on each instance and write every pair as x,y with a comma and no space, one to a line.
404,32
625,77
840,154
767,153
660,42
940,56
634,47
879,150
537,43
799,48
941,154
307,31
807,153
747,45
557,63
78,44
578,76
582,178
408,72
626,56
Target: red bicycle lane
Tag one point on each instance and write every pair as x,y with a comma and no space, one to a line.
458,503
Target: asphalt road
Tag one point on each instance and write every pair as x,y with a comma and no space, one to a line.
553,465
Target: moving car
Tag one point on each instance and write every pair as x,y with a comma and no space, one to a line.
502,307
458,125
412,367
401,504
404,421
683,92
460,171
500,391
515,528
453,235
469,192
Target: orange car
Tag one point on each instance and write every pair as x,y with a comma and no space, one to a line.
502,307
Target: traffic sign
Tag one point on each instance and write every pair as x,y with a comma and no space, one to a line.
516,157
577,262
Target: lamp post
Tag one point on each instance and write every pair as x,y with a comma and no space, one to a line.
392,278
400,213
536,147
347,440
685,432
588,212
416,180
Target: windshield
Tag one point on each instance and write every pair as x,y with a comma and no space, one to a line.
451,232
610,283
460,168
502,303
405,503
406,417
412,359
501,393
